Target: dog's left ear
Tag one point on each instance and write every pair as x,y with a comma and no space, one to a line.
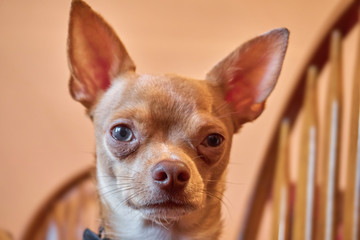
249,74
96,54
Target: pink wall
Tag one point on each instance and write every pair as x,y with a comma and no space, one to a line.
45,137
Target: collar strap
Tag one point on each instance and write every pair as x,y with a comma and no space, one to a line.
90,235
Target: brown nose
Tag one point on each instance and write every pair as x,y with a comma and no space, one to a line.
171,175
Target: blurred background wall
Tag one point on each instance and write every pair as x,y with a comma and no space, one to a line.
45,137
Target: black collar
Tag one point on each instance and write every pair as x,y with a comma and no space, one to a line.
90,235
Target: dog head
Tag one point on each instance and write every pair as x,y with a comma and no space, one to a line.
163,141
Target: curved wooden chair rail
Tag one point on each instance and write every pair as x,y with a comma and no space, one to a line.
68,212
306,209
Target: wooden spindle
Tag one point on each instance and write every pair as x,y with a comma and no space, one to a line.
306,182
73,206
328,218
352,191
59,219
281,186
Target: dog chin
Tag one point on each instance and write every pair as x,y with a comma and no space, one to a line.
167,210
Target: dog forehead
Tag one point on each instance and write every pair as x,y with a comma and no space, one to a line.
166,92
172,98
167,97
155,88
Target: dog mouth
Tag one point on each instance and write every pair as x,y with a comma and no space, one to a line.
163,209
167,205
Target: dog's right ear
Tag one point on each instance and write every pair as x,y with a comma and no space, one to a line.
96,55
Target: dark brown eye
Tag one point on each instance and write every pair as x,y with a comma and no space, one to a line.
213,140
122,133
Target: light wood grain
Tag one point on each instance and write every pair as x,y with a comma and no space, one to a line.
328,218
352,191
305,186
281,186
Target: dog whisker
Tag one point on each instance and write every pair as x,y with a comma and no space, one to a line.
111,192
222,196
221,107
228,115
162,222
115,184
132,170
116,189
117,176
200,156
227,182
220,199
107,186
129,198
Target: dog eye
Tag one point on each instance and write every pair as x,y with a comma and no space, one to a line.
122,133
213,140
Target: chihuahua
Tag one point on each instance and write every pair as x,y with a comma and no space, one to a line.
163,141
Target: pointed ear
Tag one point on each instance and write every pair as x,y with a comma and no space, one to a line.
96,55
249,74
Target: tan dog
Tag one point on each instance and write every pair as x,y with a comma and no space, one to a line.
163,141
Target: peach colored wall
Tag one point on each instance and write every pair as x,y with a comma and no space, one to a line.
45,137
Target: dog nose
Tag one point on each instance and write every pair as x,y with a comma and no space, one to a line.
171,175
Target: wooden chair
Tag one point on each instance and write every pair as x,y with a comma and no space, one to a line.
68,212
315,206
